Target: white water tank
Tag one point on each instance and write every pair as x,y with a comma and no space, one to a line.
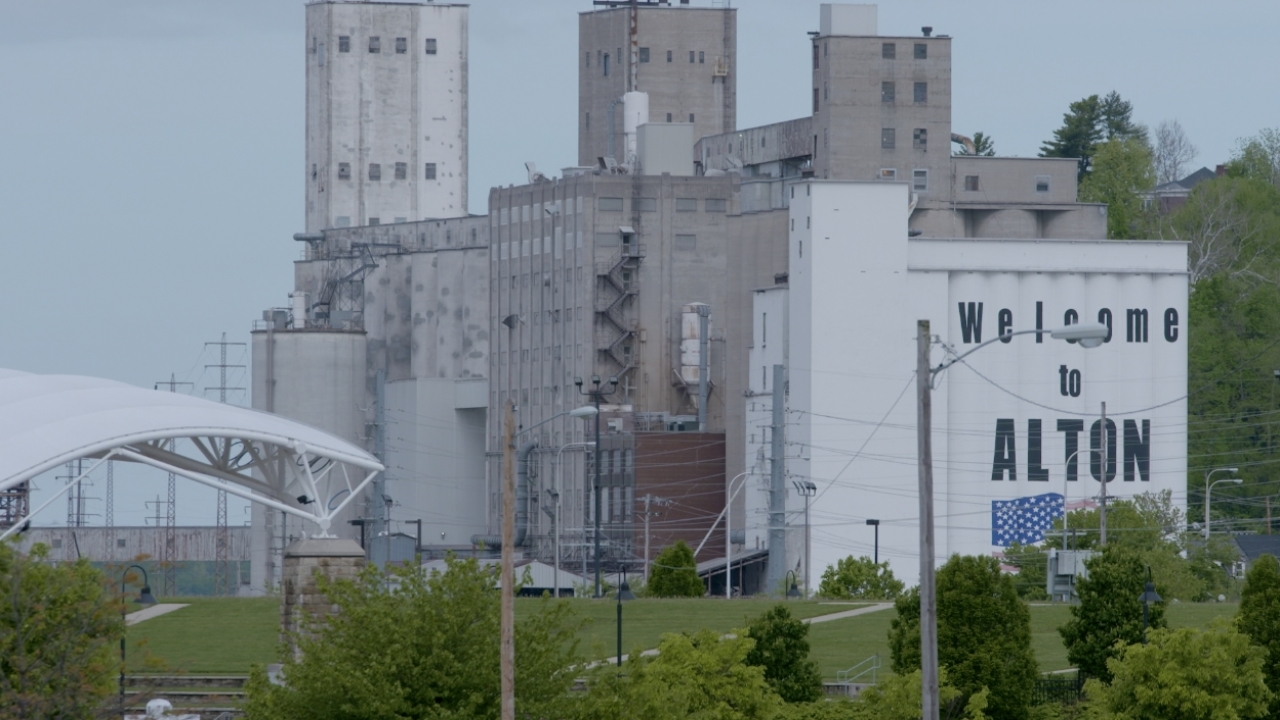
635,112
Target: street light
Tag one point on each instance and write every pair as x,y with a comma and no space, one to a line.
624,593
792,590
555,498
807,490
1209,488
1066,476
596,394
1088,335
144,598
876,524
1148,596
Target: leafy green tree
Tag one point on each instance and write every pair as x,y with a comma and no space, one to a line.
1121,170
675,573
1259,618
984,635
59,626
1258,157
1032,562
1188,674
1231,225
898,698
859,578
1088,122
702,675
409,646
782,649
983,146
1109,611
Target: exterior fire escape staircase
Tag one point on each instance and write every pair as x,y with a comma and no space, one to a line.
619,283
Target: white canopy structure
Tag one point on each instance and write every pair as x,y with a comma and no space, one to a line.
48,420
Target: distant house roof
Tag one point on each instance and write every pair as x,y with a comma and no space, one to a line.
1255,546
1197,177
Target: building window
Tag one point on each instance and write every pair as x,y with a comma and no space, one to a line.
889,51
920,180
815,99
342,221
888,92
57,543
686,242
690,117
715,205
402,171
669,55
587,58
644,55
431,46
888,138
971,183
644,204
609,203
815,56
921,92
691,57
920,139
889,174
344,43
686,204
922,51
429,171
588,120
1042,183
606,64
702,57
375,221
375,171
668,117
120,542
375,44
344,171
402,46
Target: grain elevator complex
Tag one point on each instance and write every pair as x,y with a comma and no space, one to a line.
640,278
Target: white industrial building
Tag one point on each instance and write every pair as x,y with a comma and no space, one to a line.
1014,423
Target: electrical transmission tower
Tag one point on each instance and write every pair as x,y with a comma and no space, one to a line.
221,565
171,514
75,496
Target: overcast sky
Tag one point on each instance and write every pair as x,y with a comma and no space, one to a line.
151,168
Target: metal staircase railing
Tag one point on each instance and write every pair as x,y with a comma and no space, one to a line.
870,665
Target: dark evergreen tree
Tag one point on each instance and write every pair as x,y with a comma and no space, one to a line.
1109,611
675,573
1087,123
782,649
984,635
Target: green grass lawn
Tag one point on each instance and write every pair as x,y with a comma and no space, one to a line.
645,620
228,635
209,636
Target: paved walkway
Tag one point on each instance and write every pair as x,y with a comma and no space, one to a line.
156,610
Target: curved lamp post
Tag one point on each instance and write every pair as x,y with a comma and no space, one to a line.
144,598
1088,335
1208,488
596,394
793,590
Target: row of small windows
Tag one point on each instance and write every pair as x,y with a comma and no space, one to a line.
919,138
888,51
375,171
972,183
888,93
670,118
375,45
603,58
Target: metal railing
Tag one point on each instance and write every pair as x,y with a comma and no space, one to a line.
871,665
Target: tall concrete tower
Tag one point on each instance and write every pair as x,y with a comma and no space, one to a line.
881,104
386,112
683,56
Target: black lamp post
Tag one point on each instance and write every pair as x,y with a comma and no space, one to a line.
793,591
1148,596
595,393
624,593
144,598
876,524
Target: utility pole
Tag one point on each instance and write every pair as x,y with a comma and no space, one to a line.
508,579
928,585
777,489
807,490
1103,509
646,537
171,513
222,540
109,513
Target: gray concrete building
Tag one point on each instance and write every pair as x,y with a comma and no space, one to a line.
683,56
386,112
